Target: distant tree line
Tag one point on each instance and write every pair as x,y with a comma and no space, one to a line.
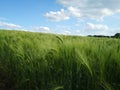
117,35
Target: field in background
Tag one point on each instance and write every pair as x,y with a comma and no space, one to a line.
35,61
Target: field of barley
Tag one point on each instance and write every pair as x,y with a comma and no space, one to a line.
37,61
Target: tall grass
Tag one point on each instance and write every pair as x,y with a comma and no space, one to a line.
35,61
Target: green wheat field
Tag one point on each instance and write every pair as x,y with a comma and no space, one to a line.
37,61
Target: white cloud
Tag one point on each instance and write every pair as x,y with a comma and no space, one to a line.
7,25
75,11
77,31
41,29
95,29
94,9
67,32
97,26
113,31
57,16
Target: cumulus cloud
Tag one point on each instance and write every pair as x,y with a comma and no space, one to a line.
41,29
113,31
7,25
77,31
67,32
75,11
94,9
57,16
95,29
97,26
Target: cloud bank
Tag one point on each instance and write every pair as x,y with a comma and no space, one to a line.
93,9
7,25
97,26
57,16
41,29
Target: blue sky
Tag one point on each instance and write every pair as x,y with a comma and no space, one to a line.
74,17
